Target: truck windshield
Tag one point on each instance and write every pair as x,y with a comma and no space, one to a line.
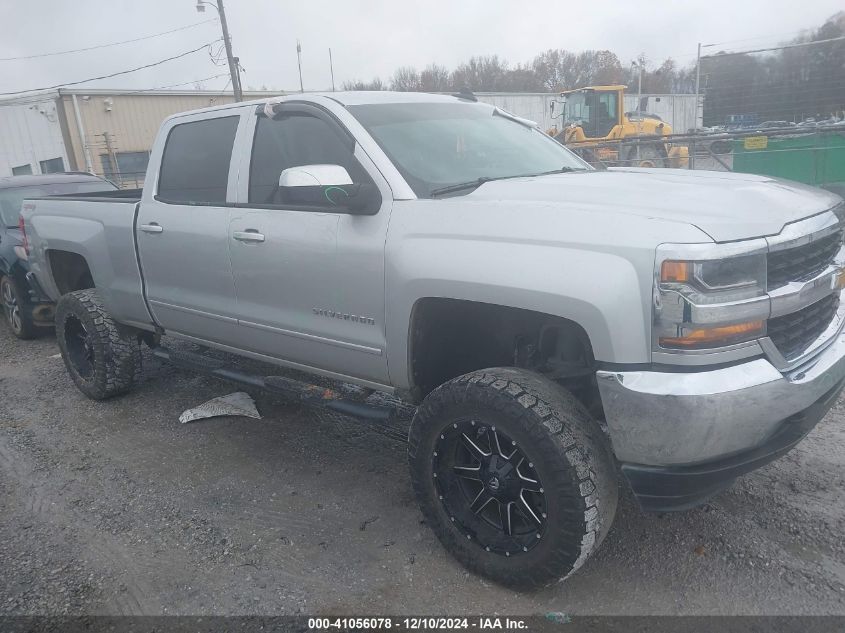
437,145
11,198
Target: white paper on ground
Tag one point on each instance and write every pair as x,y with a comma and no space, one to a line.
238,403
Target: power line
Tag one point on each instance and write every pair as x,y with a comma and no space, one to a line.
46,98
184,83
122,72
222,92
91,48
776,48
760,37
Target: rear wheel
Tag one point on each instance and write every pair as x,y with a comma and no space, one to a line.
513,475
15,310
101,358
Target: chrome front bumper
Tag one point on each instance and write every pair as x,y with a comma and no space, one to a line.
685,418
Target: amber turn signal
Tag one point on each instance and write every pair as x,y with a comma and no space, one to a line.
711,337
673,271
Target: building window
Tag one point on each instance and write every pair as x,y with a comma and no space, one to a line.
52,166
22,170
131,166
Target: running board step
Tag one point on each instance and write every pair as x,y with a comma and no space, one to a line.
314,395
189,360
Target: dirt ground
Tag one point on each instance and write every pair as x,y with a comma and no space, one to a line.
117,508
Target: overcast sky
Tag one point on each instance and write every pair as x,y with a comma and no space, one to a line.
368,37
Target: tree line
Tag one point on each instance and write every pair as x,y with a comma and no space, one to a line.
783,84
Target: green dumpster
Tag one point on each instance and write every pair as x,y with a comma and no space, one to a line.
816,159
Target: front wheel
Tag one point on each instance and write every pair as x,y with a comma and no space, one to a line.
513,475
101,358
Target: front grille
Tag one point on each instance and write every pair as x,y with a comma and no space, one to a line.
802,262
793,333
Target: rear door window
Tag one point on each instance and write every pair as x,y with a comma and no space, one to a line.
195,164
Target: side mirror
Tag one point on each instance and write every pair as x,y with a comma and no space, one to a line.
314,176
328,187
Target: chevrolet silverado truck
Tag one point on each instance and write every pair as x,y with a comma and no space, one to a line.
554,324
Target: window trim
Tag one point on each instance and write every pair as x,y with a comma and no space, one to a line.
304,108
310,109
200,119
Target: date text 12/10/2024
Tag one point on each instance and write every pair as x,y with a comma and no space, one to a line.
481,623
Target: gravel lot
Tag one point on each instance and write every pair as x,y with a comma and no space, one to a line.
117,508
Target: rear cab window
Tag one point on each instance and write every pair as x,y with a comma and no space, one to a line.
195,164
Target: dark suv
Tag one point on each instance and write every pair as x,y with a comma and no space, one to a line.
23,306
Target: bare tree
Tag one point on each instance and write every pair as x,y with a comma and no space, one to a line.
405,79
484,74
563,70
552,69
434,78
375,84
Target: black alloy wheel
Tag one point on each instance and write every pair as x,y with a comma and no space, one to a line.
15,310
80,347
489,488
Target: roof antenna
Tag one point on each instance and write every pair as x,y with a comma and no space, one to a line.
466,94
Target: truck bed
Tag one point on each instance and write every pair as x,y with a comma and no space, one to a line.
100,229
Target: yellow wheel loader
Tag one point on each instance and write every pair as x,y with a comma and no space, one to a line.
598,129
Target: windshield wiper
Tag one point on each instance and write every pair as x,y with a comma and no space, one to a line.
471,184
562,170
474,184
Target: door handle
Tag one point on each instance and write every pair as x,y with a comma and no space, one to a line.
250,235
152,227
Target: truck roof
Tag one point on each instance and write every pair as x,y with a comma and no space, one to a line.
345,98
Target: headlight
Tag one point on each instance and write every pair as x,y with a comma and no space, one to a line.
716,281
702,303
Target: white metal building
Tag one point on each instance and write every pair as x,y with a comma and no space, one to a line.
31,137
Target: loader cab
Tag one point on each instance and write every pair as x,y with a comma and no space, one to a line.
595,110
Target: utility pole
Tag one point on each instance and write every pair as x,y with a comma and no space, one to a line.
640,63
227,42
697,97
331,68
299,62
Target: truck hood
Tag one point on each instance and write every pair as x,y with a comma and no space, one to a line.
726,206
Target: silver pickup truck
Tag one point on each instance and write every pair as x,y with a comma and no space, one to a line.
554,323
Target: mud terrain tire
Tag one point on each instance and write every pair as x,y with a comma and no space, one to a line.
101,358
549,431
